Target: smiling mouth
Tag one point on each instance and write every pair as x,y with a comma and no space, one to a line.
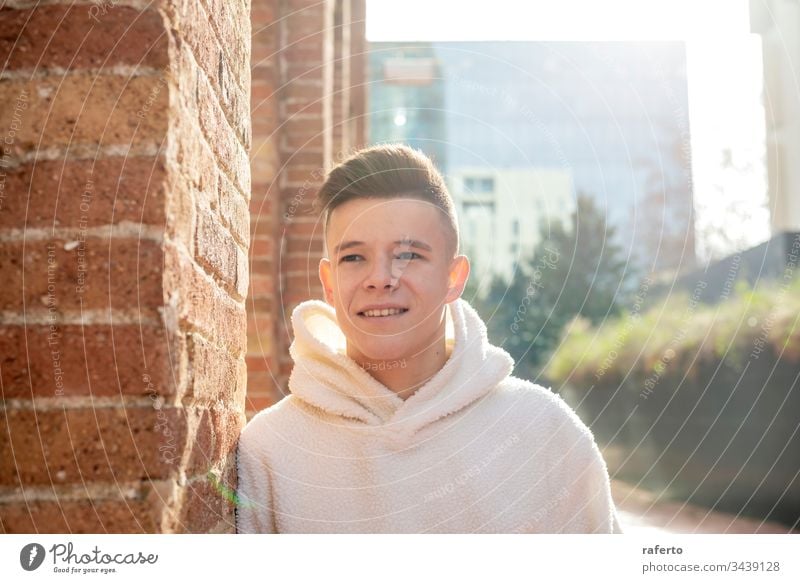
387,313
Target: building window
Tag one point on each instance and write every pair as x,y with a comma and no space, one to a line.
478,184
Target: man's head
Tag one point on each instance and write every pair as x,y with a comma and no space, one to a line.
391,238
388,171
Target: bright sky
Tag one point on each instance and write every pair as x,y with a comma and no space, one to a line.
442,20
723,69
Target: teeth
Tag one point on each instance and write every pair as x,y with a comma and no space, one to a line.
384,312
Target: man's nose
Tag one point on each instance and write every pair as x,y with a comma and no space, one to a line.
383,274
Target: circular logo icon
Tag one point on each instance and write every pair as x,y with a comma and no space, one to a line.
31,556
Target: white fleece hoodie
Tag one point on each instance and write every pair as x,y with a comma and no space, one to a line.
474,450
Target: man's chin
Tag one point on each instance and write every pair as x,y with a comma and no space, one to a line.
382,356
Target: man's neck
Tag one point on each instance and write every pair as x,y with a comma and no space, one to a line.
406,375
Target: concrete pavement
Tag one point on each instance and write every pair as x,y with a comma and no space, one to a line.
640,511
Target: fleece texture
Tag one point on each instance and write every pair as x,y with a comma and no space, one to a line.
474,450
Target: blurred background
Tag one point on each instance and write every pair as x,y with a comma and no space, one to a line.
628,188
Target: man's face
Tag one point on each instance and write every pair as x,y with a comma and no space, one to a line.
390,252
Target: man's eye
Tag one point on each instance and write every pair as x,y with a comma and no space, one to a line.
348,258
406,254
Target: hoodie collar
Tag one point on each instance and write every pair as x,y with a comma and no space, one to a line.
324,376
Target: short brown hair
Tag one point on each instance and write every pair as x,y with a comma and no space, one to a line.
388,171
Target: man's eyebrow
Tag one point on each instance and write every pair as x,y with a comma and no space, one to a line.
404,242
414,243
347,245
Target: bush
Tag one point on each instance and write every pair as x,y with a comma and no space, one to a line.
679,332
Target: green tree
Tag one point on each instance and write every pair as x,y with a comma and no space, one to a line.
576,269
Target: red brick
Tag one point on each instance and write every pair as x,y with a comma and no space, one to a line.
311,246
231,154
310,177
201,39
205,508
115,273
260,305
98,360
266,224
264,117
266,80
260,325
203,306
262,13
302,71
306,158
216,374
301,286
85,193
301,203
257,362
286,367
218,70
100,444
263,384
261,201
305,6
235,212
300,140
198,355
262,222
305,107
300,264
261,247
215,248
264,174
265,122
264,47
82,110
305,93
262,93
259,403
228,423
82,36
231,22
305,50
267,383
198,168
261,285
262,340
304,228
202,443
113,516
312,18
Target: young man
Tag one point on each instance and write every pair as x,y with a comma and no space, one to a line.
402,417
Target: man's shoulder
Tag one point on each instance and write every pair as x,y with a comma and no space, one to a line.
550,409
530,393
274,419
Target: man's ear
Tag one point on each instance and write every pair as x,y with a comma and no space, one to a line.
459,273
326,278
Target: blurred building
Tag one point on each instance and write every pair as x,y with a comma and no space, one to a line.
407,99
612,115
500,212
778,23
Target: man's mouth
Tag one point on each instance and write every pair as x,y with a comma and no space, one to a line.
385,313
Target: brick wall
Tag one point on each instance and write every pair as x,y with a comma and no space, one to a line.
308,104
147,281
264,298
124,239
